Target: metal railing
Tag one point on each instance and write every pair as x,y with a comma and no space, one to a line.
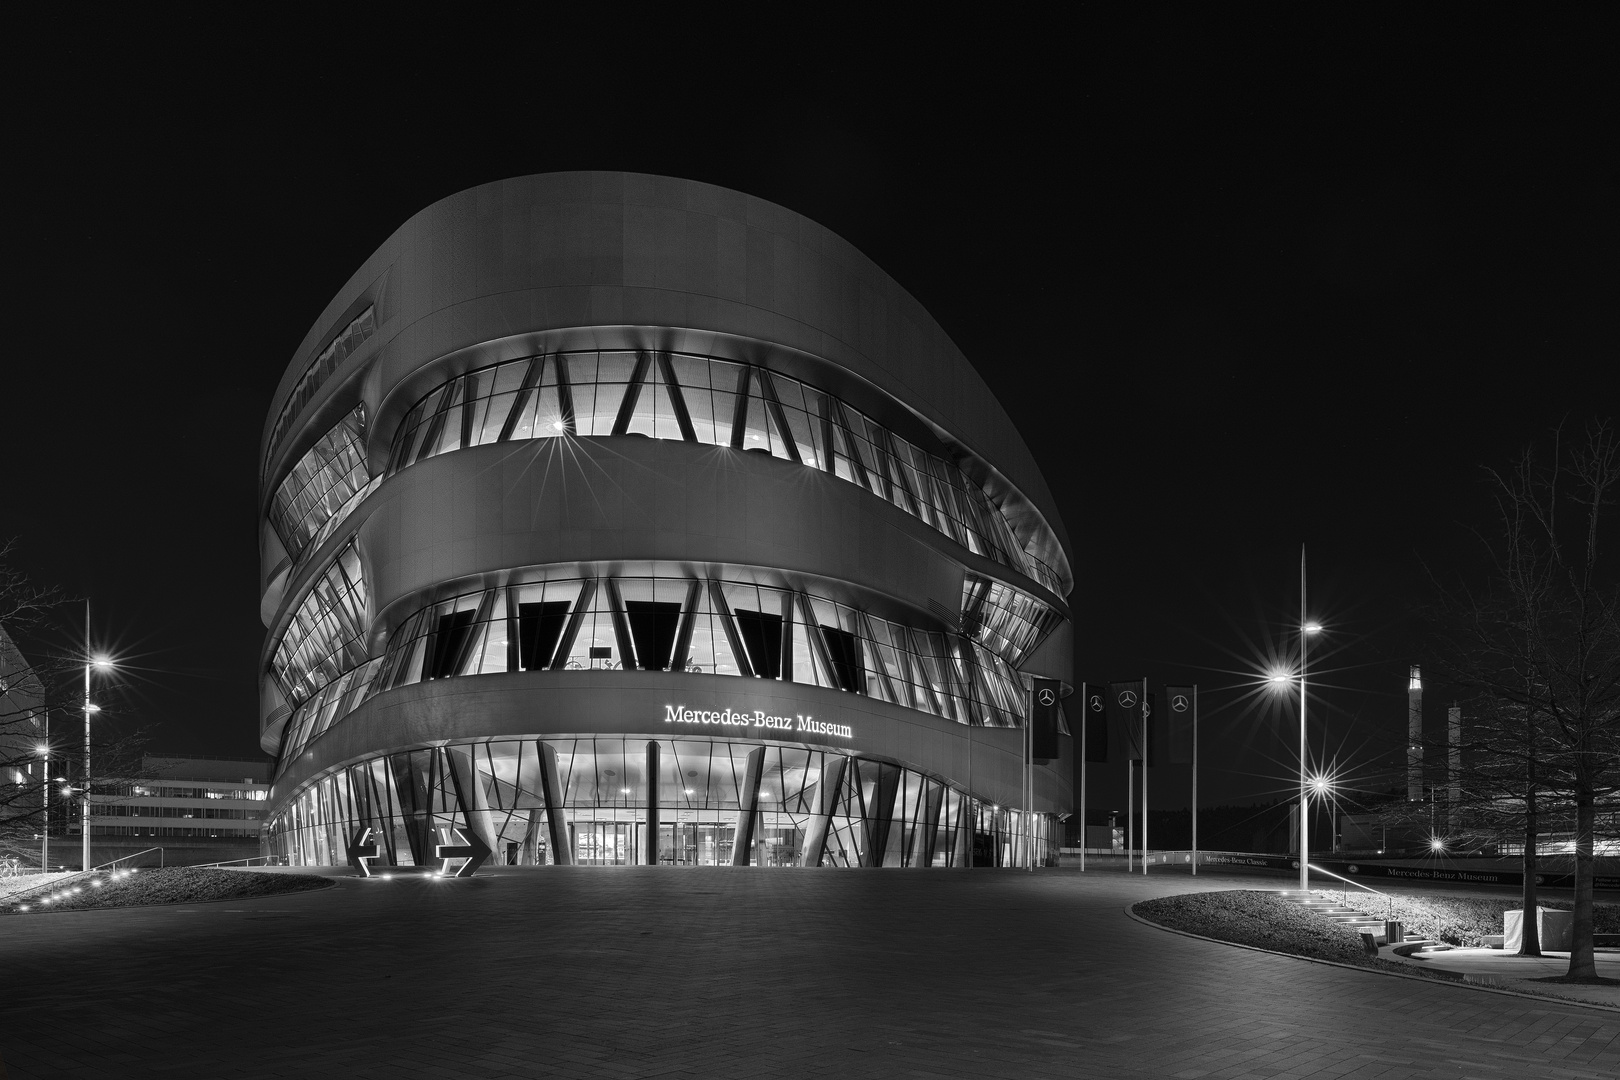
126,858
1346,880
268,860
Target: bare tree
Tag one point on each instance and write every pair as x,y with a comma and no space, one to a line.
1537,645
39,681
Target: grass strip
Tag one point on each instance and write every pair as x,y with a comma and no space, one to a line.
170,885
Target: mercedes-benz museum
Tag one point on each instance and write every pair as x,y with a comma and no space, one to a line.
618,519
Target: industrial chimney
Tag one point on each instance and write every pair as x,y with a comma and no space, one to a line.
1414,736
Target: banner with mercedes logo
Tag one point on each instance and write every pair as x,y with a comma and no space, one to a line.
1095,697
1182,702
1044,720
1126,711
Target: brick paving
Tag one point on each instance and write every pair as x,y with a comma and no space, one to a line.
673,972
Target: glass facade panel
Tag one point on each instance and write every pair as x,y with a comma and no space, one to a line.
321,484
585,393
878,814
326,636
657,623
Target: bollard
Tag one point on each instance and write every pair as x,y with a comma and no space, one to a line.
1392,932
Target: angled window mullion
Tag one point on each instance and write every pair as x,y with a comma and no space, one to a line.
513,645
829,453
872,646
787,637
818,646
565,396
576,619
722,610
632,392
767,392
436,424
531,379
683,636
739,416
469,383
850,445
474,637
621,627
682,417
897,466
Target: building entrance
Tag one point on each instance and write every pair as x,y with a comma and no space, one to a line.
695,844
605,843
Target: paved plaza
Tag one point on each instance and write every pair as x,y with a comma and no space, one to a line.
673,972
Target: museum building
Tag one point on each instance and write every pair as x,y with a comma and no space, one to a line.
618,519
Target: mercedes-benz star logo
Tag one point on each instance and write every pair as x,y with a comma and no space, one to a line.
1096,703
1179,703
1046,697
1127,699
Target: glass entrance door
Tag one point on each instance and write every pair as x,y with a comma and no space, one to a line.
693,844
605,843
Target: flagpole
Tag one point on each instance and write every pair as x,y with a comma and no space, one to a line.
1130,812
1195,783
1085,719
1029,795
1147,735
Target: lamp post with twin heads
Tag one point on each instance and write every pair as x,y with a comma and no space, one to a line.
44,752
100,663
1306,783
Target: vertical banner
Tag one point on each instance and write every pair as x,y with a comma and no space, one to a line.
1179,717
1095,698
1043,720
1125,718
1153,732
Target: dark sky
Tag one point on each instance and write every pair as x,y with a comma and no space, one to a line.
1244,277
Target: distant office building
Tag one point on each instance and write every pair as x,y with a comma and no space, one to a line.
23,781
615,519
197,809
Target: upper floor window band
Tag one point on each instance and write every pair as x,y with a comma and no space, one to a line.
700,399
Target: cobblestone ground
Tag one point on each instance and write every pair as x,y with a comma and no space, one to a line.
673,972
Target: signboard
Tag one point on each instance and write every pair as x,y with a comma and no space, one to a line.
756,719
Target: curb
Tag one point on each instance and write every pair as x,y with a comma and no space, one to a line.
1429,979
332,883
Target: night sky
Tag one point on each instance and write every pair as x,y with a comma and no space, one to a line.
1243,278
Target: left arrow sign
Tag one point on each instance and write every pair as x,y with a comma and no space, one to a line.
362,849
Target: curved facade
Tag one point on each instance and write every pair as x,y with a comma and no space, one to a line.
612,518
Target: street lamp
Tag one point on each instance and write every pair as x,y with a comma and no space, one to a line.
100,663
1307,783
44,751
1306,629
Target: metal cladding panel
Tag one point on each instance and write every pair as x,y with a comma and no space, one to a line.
583,249
570,501
637,704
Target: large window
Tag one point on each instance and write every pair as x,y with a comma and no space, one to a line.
322,485
716,402
675,624
1003,619
715,627
587,801
326,636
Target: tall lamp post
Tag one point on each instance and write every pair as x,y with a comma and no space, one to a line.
44,752
1306,629
1306,783
103,664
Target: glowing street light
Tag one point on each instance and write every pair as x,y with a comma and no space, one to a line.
1307,783
102,664
44,751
